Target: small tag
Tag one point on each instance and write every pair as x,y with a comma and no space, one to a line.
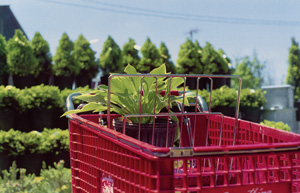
107,184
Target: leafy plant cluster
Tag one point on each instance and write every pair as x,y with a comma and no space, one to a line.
77,58
41,97
51,180
36,97
226,96
10,98
14,142
277,125
293,74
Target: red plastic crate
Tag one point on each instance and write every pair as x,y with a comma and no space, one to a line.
263,159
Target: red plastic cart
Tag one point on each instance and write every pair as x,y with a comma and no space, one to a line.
216,154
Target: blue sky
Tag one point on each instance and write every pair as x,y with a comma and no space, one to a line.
238,27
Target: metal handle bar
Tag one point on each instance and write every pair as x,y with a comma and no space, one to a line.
69,101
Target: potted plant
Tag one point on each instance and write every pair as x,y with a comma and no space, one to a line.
42,102
3,64
56,146
251,102
21,61
64,67
10,147
277,125
32,156
84,56
9,106
126,99
222,100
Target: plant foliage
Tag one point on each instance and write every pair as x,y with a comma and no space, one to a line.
227,97
250,71
10,98
166,58
188,59
41,97
64,64
151,58
3,53
41,52
277,125
84,56
20,58
14,142
293,75
110,57
126,95
130,54
51,180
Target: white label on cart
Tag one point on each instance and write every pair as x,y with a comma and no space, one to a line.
107,184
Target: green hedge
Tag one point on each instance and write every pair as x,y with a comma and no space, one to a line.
47,97
227,97
36,97
14,142
277,125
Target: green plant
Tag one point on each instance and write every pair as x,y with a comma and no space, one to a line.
223,96
42,97
212,61
293,73
31,142
20,57
226,96
188,59
110,57
64,64
250,70
277,125
3,54
51,180
130,54
14,142
84,56
10,98
11,143
126,95
54,140
151,57
54,180
166,58
42,53
11,184
252,98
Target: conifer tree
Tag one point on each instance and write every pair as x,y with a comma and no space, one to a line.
84,57
130,54
110,57
166,58
42,53
3,63
20,58
64,64
151,58
213,62
250,71
293,74
188,59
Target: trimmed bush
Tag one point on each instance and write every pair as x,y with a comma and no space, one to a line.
277,125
